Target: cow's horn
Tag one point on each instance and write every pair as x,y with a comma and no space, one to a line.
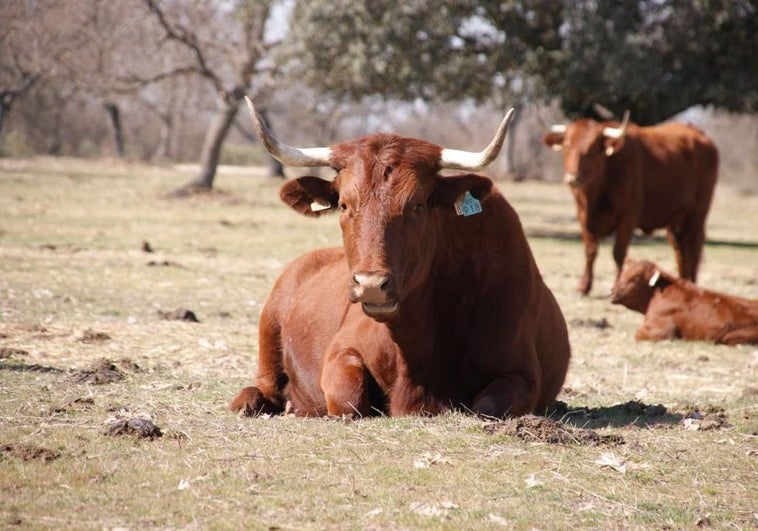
454,159
291,156
617,132
654,278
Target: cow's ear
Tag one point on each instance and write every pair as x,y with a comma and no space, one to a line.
554,141
450,189
310,196
613,145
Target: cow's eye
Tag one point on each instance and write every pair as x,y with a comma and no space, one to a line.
418,208
343,207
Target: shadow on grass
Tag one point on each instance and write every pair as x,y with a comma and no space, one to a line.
629,414
638,240
17,366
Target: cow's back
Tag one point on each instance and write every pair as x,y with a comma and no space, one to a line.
678,167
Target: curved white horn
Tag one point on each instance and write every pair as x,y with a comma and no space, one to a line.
455,159
558,128
291,156
617,132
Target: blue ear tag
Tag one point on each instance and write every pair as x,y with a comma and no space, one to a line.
467,205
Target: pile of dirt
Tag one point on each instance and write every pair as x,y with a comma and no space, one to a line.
76,404
180,314
532,428
104,371
140,427
712,418
601,323
8,352
92,336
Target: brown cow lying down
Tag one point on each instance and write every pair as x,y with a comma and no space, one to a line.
434,302
677,308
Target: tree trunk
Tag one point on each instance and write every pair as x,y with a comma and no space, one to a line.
6,100
510,149
118,132
211,153
163,149
275,168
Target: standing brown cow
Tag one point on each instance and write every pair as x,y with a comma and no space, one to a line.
675,308
434,302
626,177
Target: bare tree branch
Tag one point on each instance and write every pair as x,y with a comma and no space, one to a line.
132,82
188,39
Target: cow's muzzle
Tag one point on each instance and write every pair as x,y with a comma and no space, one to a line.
372,290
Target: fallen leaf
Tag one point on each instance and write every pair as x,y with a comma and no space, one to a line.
611,460
499,520
426,509
426,460
532,481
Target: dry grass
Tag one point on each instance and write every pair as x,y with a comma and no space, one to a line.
76,286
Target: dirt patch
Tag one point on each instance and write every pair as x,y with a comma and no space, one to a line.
140,427
28,452
91,336
104,371
163,263
6,352
532,428
601,324
711,419
76,404
180,314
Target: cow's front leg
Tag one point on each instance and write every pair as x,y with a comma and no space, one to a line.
407,398
251,402
624,234
657,328
343,380
510,395
590,254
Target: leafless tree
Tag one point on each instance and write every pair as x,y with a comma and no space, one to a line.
33,45
229,52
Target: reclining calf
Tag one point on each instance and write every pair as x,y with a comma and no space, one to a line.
676,308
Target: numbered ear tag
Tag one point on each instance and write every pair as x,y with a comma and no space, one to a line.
468,205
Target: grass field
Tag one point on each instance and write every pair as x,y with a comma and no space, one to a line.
86,341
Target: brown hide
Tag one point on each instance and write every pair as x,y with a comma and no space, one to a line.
655,177
422,311
676,308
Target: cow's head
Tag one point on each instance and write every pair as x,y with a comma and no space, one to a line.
586,146
390,197
636,284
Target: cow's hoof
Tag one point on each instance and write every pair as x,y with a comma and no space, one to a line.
250,402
